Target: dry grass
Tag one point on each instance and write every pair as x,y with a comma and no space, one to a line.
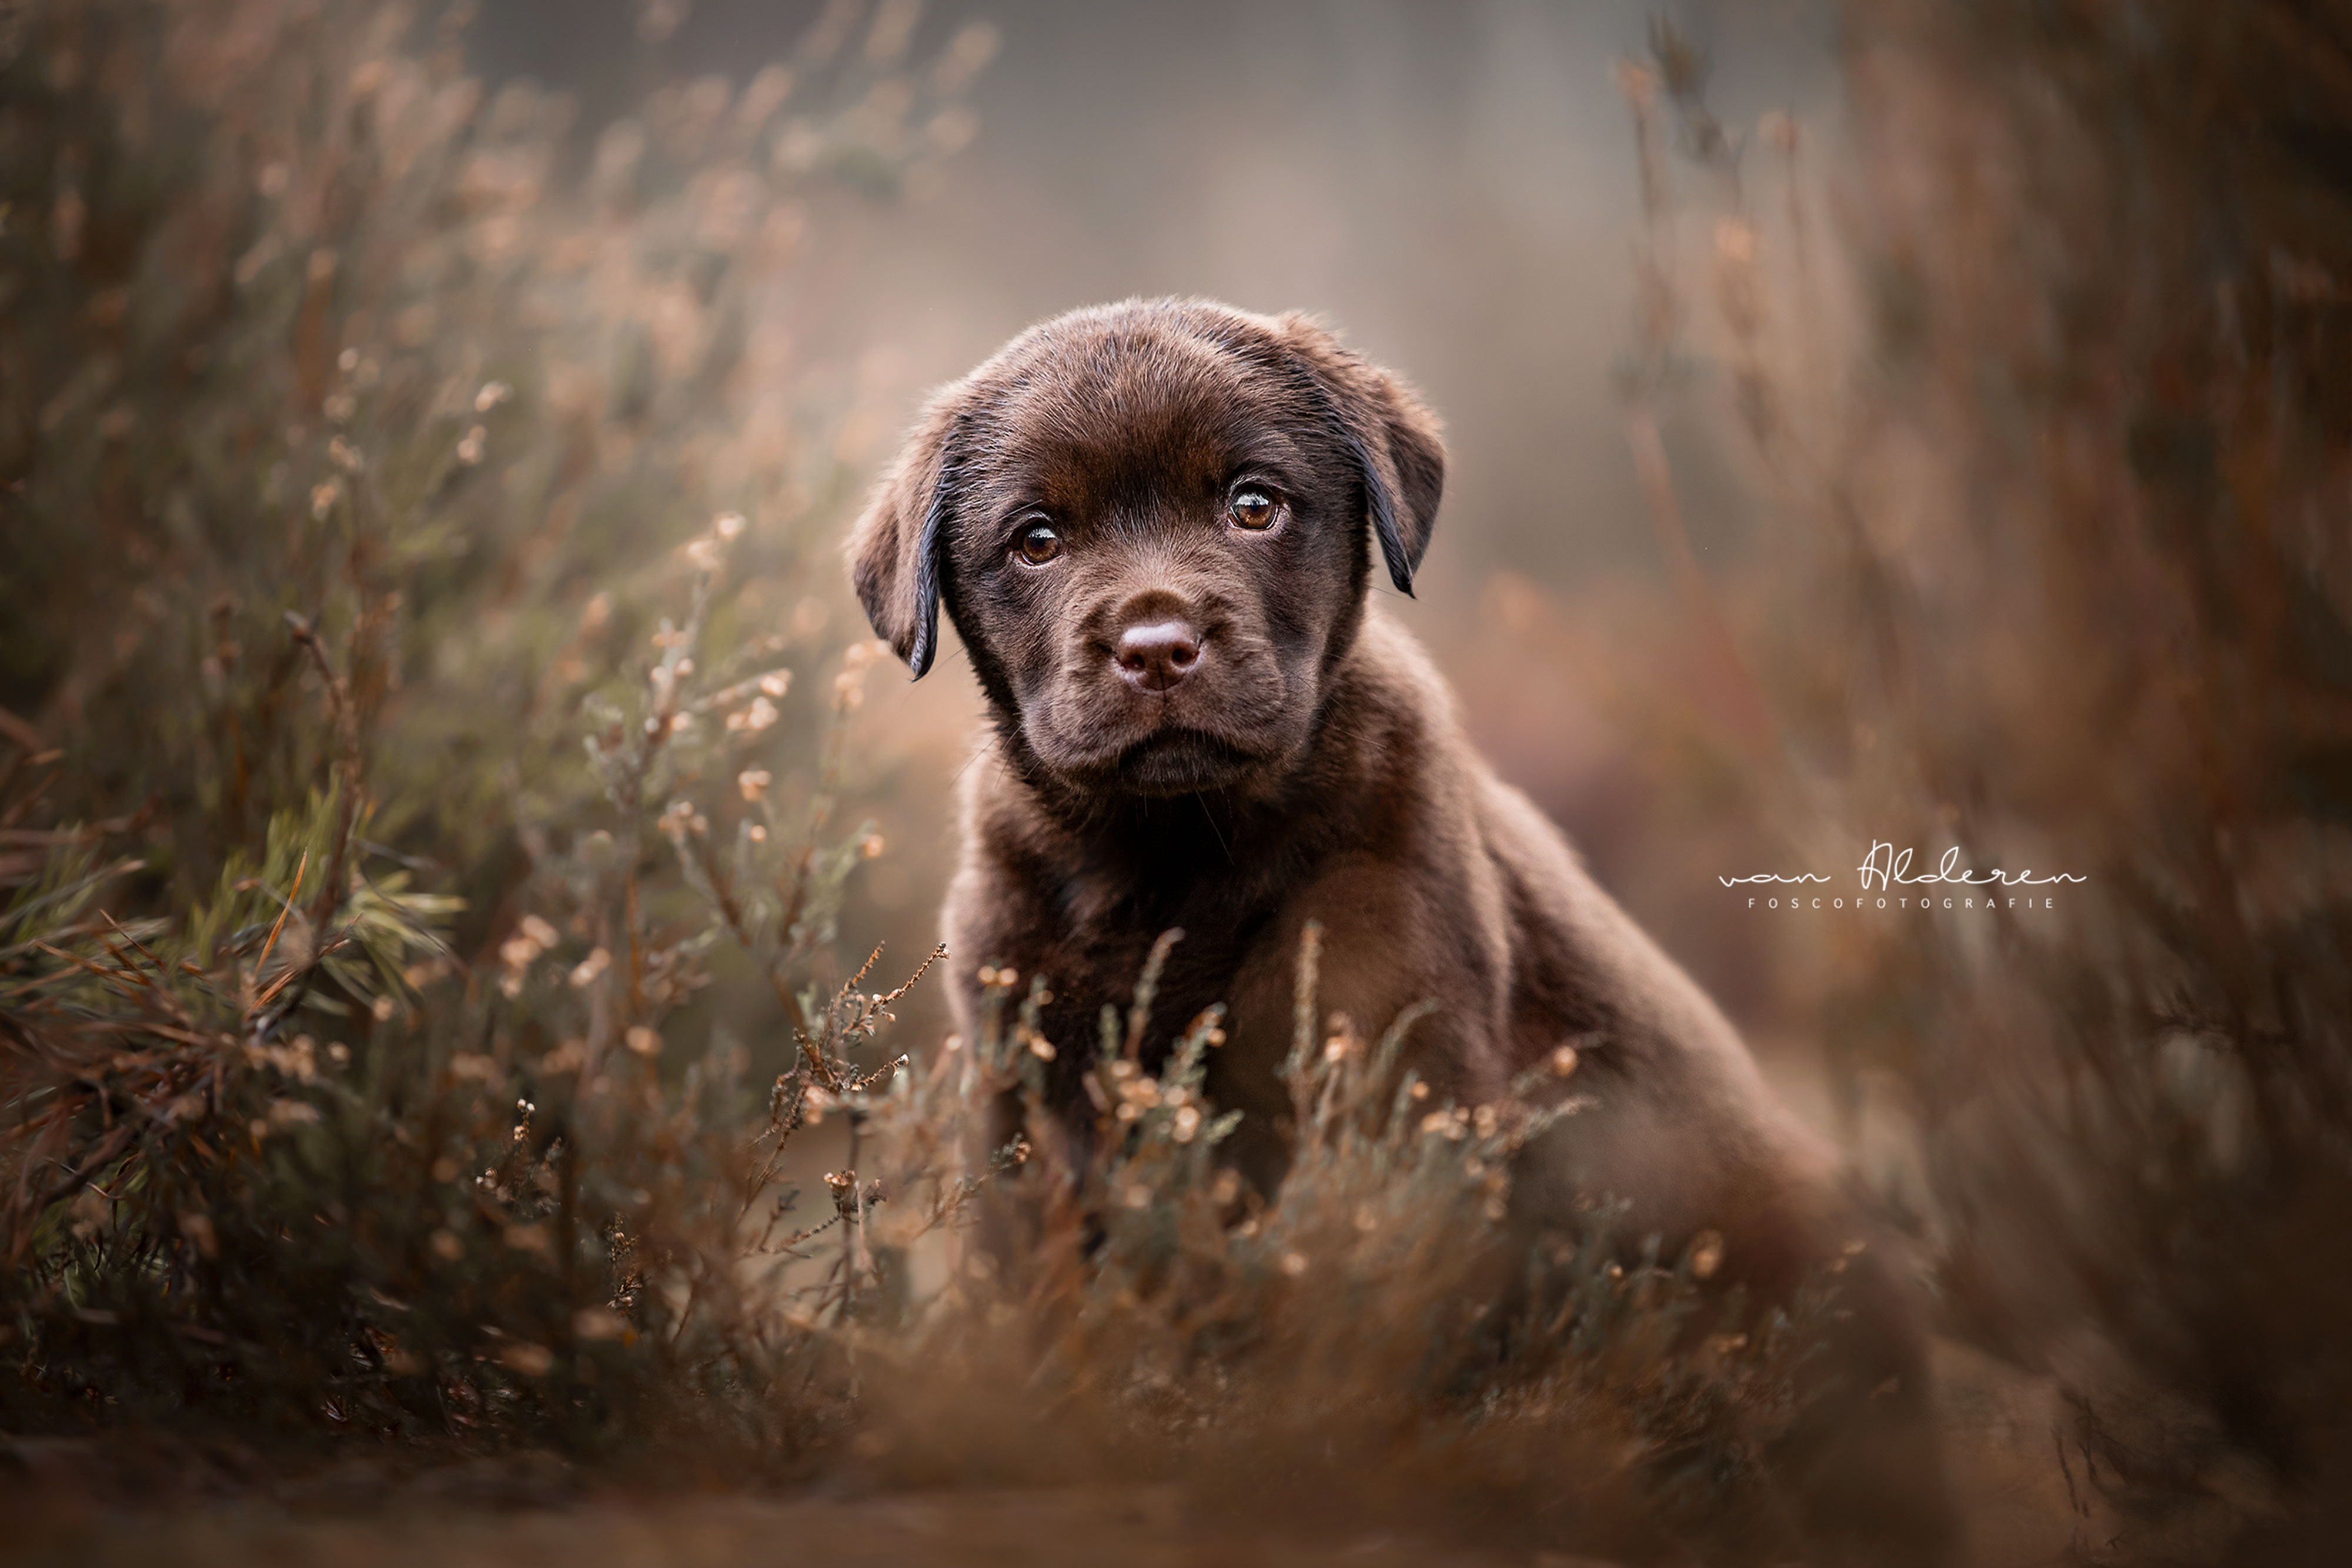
376,860
425,838
2054,571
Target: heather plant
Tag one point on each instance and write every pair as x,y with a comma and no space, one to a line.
423,823
1374,1330
362,436
413,503
2063,512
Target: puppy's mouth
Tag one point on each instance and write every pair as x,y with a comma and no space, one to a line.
1174,760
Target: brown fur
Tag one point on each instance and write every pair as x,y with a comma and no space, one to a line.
1308,766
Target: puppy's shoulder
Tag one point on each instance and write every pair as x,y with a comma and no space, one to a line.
1402,716
1393,670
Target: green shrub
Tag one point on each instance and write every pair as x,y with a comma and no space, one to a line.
362,436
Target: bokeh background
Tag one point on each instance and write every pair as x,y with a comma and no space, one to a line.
1456,188
1900,420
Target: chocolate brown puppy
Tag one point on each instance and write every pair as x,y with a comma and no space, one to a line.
1154,526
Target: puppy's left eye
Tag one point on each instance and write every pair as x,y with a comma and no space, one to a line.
1253,509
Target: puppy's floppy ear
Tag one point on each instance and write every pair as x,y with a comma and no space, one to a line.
1396,439
894,550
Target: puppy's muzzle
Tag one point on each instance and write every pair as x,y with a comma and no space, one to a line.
1157,656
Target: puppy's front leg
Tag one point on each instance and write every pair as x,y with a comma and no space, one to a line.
1379,950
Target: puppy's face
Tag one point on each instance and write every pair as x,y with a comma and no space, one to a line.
1151,524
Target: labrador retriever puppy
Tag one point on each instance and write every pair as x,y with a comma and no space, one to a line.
1153,525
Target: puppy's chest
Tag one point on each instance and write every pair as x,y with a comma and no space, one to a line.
1092,952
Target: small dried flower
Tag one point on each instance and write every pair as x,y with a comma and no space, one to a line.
727,525
1706,1254
530,1360
775,683
1639,84
1563,1062
643,1040
754,783
598,1323
492,395
197,1227
473,444
528,1237
1293,1264
585,972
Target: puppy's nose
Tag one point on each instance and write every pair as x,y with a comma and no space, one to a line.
1155,657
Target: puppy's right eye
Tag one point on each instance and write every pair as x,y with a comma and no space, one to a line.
1038,545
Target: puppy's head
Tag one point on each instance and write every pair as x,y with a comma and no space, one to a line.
1152,523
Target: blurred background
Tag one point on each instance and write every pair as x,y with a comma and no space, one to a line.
1456,189
1871,420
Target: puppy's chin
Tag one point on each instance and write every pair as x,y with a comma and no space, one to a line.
1170,761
